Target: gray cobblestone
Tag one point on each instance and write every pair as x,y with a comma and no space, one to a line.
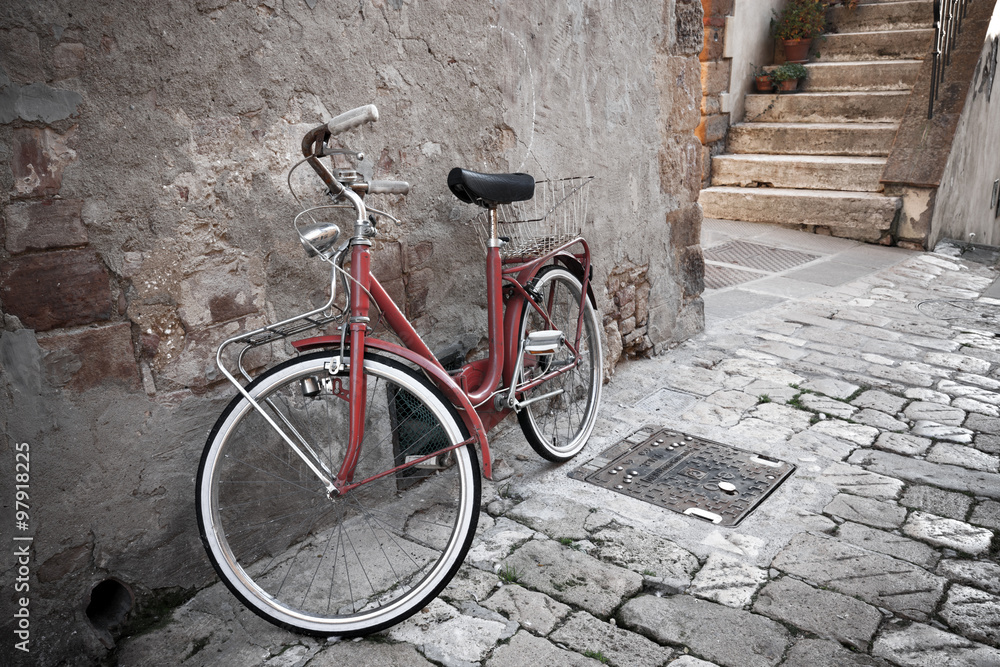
983,424
936,431
890,544
974,613
880,420
860,482
937,501
573,577
535,612
935,412
984,575
987,513
858,434
727,580
925,472
880,400
878,579
901,443
869,511
828,406
948,533
929,395
965,456
957,362
822,653
978,407
830,387
526,649
727,637
823,613
620,647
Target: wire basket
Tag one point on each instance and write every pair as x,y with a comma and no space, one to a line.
553,217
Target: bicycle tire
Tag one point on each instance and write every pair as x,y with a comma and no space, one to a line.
354,564
557,428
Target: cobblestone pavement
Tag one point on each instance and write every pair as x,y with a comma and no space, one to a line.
880,549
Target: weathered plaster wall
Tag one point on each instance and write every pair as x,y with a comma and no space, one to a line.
967,197
145,218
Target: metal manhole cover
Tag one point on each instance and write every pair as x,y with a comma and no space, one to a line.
687,474
756,256
717,277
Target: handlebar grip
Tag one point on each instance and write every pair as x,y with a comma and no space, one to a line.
353,118
388,188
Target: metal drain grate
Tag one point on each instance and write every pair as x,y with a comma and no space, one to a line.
756,256
686,474
717,277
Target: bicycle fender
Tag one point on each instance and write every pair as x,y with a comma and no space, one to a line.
439,376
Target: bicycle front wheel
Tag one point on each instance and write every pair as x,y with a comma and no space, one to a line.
353,564
557,427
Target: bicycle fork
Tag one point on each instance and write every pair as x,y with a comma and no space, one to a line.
357,382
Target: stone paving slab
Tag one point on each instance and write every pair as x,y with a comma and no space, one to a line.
588,635
824,613
878,579
727,637
526,649
573,577
821,653
890,544
974,613
920,645
948,533
944,476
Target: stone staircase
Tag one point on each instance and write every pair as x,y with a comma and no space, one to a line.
815,157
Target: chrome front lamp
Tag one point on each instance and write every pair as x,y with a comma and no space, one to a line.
318,238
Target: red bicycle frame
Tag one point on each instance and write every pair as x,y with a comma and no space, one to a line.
471,388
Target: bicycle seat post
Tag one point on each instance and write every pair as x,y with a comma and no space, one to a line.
494,241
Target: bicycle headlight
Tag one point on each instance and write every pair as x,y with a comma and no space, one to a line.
319,237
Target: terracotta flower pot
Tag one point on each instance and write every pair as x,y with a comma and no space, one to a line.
797,50
764,84
788,85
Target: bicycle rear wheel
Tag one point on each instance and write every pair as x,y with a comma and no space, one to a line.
357,563
558,427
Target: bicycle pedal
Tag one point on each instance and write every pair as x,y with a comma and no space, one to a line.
543,342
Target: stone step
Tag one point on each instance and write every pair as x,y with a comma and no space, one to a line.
816,172
864,139
861,216
883,16
876,45
859,76
827,107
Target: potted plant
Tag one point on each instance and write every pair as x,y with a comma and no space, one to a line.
797,25
786,77
762,79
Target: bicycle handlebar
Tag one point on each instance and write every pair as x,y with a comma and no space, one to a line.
388,188
353,118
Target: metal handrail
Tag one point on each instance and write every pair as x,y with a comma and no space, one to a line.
948,15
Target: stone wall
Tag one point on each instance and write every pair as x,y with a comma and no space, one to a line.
145,218
968,199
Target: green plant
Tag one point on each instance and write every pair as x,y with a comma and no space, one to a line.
508,574
800,19
764,398
596,655
787,72
757,70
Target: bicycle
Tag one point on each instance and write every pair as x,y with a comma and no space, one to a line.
339,491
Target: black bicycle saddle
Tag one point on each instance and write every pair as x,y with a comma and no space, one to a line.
489,190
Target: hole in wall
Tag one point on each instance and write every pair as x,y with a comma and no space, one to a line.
110,603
